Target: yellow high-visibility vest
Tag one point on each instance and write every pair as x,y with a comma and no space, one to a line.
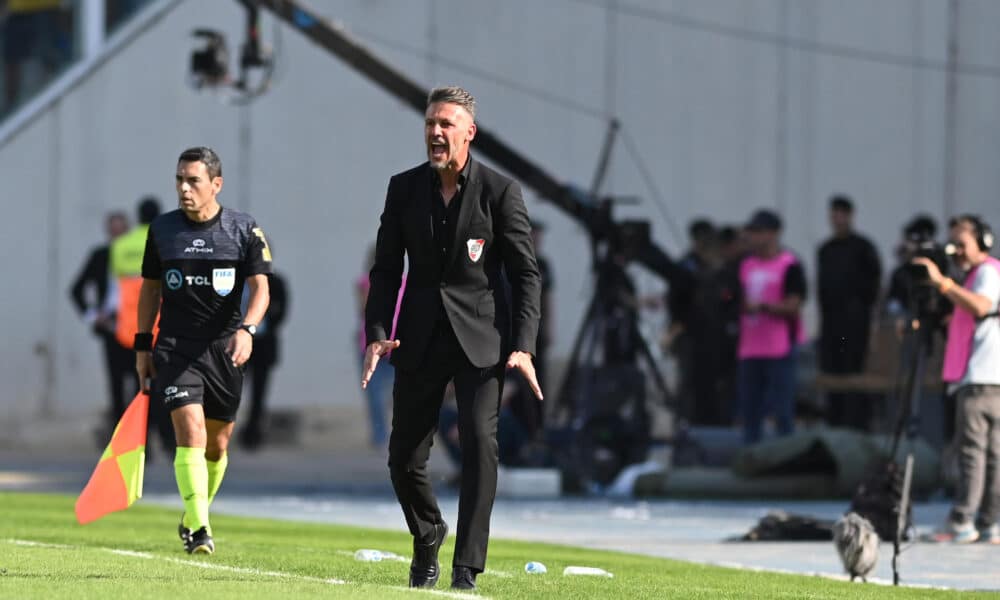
125,262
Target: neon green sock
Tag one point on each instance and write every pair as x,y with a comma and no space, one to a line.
192,482
216,471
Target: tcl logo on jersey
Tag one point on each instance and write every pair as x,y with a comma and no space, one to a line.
198,280
222,280
198,247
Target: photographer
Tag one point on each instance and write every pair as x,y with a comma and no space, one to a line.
972,370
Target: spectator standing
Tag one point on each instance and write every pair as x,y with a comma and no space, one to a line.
265,357
698,329
849,275
773,288
92,297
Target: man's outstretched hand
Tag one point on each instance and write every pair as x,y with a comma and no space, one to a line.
522,362
375,351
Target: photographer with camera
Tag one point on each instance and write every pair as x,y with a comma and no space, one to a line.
910,294
972,370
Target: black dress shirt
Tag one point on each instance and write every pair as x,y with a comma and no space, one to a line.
444,219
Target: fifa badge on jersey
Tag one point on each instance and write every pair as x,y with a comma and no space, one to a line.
223,280
475,249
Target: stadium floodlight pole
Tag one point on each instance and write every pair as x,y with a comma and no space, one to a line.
582,205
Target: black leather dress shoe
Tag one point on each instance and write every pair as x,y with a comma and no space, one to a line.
463,578
424,568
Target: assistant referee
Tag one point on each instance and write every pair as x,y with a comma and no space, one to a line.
196,261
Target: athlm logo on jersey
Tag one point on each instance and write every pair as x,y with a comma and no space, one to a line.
174,279
198,247
475,249
223,280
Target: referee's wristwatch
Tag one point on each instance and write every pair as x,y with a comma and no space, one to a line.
249,328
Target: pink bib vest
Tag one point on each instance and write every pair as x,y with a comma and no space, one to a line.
762,335
960,332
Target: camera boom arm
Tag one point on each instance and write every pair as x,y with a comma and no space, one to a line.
583,206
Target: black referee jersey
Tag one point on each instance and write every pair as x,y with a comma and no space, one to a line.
202,267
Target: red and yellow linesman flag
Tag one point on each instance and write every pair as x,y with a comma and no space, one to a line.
117,480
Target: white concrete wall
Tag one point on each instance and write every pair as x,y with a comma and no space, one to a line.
723,118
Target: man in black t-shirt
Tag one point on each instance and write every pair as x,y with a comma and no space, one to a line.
196,261
849,275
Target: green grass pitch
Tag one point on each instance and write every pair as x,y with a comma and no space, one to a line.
136,554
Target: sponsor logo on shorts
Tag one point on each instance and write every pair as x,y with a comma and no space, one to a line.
172,393
174,279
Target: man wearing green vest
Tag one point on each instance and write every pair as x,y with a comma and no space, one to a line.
125,263
126,268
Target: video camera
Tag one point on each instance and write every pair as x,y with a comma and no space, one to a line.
630,237
210,64
925,301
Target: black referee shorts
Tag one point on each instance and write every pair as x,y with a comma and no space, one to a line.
197,372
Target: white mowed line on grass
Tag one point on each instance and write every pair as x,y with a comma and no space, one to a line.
833,576
40,544
439,592
231,569
180,561
215,567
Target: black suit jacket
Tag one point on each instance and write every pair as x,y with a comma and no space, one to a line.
95,272
473,293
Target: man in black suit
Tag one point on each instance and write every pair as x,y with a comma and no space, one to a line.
96,310
465,232
266,356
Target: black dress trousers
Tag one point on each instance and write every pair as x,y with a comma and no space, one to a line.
417,397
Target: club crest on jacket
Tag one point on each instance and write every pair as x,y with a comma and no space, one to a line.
475,249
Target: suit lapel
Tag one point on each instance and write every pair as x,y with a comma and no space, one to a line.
470,198
424,220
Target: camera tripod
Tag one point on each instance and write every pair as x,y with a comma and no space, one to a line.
601,409
607,299
918,343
